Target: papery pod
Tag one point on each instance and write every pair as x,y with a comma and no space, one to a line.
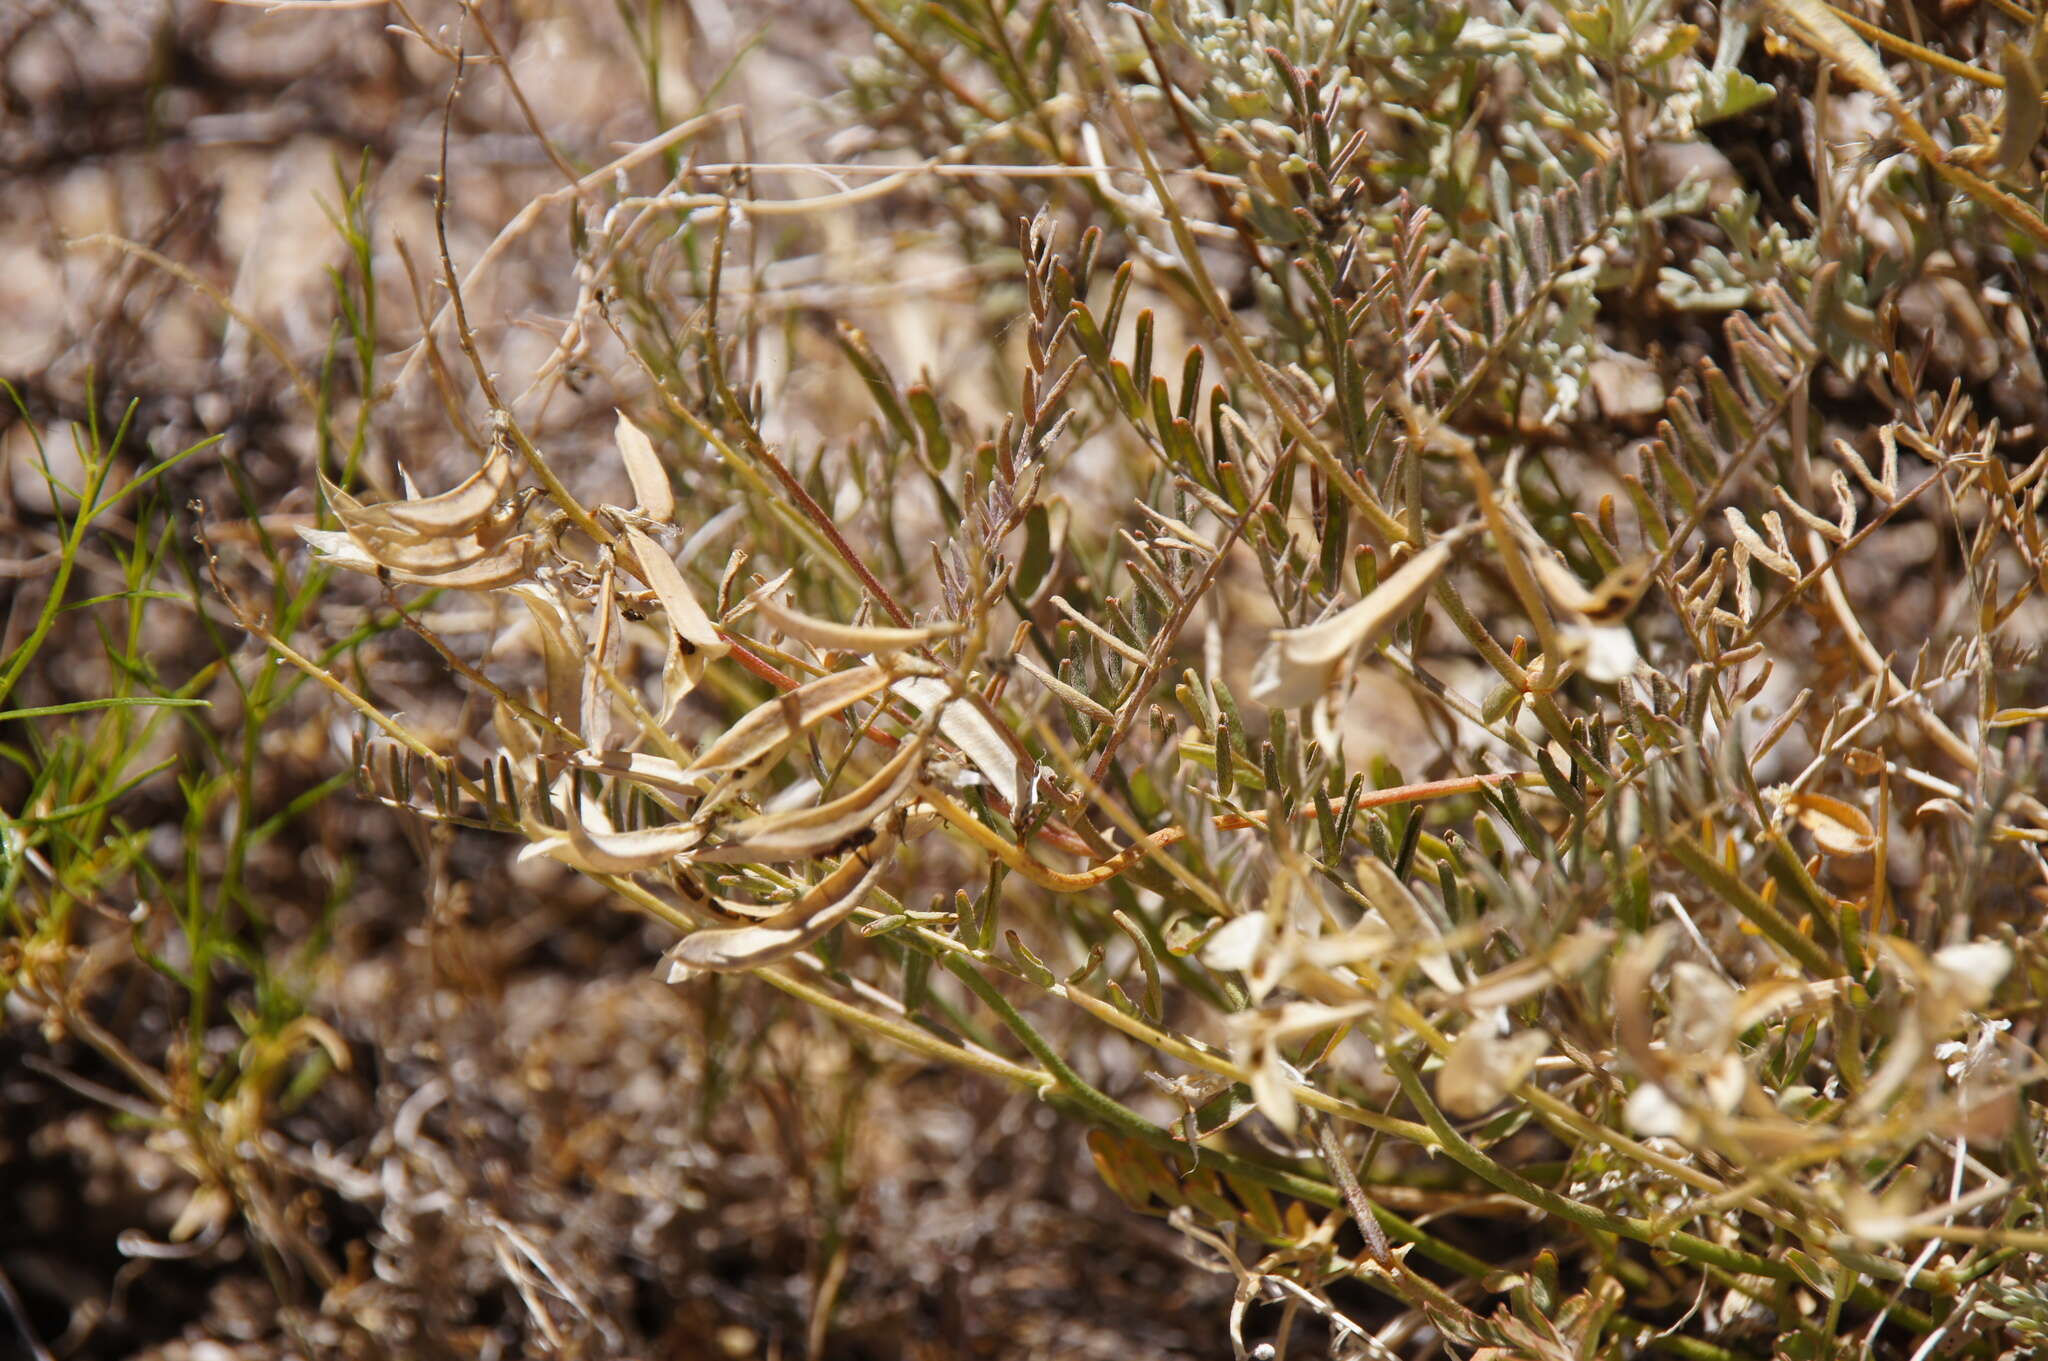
969,729
652,494
1299,664
465,509
763,730
1410,920
734,949
1485,1065
1606,603
462,564
606,652
835,637
693,639
562,656
427,555
461,508
1838,828
334,548
693,629
656,772
2024,70
806,833
1822,29
597,849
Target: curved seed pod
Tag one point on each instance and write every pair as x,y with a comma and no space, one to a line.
1839,829
693,628
731,949
510,563
606,651
849,879
562,655
423,557
352,513
1297,665
2023,71
693,640
768,725
1607,603
335,548
601,850
422,519
657,772
823,633
505,565
612,852
967,728
1821,29
680,672
652,494
1371,617
806,833
459,508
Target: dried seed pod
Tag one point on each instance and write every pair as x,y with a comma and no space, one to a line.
824,633
1485,1065
652,495
656,772
1299,664
734,949
1607,603
806,833
969,729
693,629
600,850
453,564
1411,921
460,508
1838,828
562,655
458,511
768,725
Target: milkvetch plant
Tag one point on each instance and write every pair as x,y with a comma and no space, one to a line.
1058,744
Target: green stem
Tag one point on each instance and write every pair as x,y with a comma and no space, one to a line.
907,1035
1467,1155
1077,1094
1701,862
1104,1108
